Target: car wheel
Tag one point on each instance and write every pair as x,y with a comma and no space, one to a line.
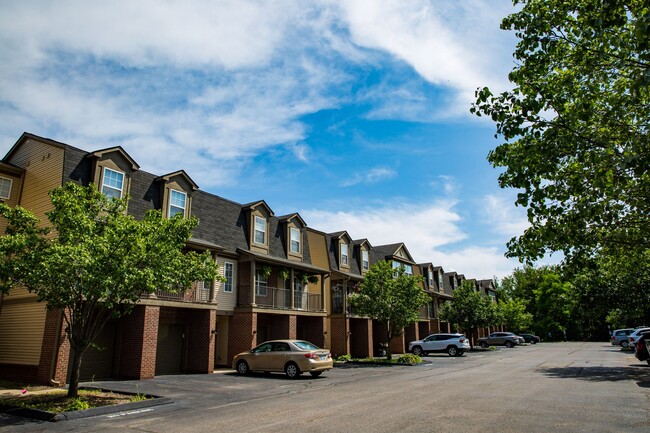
461,352
452,351
291,370
625,344
242,367
483,344
509,344
315,373
533,341
417,351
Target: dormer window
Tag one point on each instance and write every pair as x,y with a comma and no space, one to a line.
5,188
364,260
177,203
440,286
344,254
430,278
295,240
112,183
260,231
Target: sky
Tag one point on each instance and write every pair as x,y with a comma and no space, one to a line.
354,114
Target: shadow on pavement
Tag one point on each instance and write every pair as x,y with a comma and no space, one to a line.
640,373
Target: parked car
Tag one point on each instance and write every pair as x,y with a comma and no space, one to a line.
293,357
634,336
620,337
530,338
453,344
507,339
642,349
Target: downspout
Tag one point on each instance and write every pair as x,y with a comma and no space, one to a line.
55,355
345,313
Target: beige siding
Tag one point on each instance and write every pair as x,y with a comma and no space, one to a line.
320,258
21,332
227,301
43,164
13,197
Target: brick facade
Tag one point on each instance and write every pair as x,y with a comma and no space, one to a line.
340,343
201,341
138,343
243,333
54,360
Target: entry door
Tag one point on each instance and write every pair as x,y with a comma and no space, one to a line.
298,294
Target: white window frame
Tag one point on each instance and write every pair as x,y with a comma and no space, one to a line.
365,260
408,269
261,221
2,182
228,283
261,282
440,283
111,187
171,205
430,278
345,259
294,242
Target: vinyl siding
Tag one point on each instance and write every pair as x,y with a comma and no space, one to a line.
43,164
227,301
13,197
22,322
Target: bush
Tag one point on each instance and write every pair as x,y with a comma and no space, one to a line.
77,404
344,358
409,358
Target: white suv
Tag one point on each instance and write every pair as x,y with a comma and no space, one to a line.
453,344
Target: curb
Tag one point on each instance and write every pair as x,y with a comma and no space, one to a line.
154,400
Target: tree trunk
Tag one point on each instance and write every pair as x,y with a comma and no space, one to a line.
73,387
389,354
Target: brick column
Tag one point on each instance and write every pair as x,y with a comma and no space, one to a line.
55,350
397,344
201,341
243,330
138,343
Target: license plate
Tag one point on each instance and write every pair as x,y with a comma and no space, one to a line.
322,357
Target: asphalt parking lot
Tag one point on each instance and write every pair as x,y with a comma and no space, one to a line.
554,387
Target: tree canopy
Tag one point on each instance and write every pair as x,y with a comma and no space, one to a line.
575,126
469,309
390,296
94,261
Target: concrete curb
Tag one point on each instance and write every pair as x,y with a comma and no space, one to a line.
154,400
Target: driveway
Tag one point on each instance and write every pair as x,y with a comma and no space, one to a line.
548,387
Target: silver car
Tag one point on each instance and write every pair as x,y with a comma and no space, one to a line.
620,337
453,344
507,339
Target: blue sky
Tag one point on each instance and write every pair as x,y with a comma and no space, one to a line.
354,114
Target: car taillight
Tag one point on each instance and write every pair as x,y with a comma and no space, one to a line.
311,356
462,340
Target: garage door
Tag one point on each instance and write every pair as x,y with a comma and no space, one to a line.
169,355
97,363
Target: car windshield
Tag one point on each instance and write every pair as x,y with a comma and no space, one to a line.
305,345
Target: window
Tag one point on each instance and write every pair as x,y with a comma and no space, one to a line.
295,240
344,254
228,275
261,284
177,202
430,278
112,183
440,287
364,260
260,231
5,187
408,269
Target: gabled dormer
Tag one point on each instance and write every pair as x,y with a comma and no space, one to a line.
429,275
363,248
112,170
293,228
257,215
440,279
398,255
342,246
176,190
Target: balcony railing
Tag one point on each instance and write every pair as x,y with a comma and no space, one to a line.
199,292
280,299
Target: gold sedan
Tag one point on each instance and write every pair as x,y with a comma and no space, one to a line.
294,357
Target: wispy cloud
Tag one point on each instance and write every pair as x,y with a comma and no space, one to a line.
373,175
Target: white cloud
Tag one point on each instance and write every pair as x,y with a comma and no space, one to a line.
504,218
373,175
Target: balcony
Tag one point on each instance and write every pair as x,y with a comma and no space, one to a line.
199,292
280,299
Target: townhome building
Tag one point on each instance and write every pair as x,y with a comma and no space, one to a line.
270,287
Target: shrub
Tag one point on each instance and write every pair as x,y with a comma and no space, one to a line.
409,358
77,404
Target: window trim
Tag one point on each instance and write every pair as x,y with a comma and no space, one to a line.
298,240
255,230
345,262
103,184
365,261
11,184
265,280
170,205
232,277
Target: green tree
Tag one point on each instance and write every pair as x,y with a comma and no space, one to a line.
96,262
469,310
575,126
391,297
554,306
514,315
